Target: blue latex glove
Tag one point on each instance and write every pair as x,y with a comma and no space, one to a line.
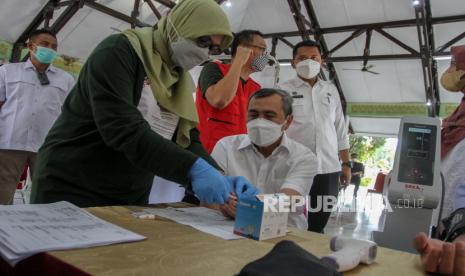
242,186
208,183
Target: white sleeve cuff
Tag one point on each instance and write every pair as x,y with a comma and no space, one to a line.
296,188
344,144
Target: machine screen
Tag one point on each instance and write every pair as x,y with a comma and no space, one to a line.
417,154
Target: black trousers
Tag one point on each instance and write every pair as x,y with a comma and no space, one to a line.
323,184
357,185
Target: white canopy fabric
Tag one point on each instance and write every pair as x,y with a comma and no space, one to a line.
398,86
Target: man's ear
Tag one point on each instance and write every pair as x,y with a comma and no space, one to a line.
290,118
293,64
30,46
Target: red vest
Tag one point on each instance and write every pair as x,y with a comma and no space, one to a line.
214,123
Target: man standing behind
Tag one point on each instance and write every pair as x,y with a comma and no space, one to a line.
224,89
266,156
358,170
318,124
31,96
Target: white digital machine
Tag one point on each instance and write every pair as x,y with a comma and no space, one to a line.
349,253
414,186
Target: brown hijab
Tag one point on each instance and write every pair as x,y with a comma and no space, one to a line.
453,127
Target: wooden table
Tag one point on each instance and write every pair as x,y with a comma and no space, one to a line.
174,249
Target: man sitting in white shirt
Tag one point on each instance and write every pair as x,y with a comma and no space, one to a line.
266,156
31,96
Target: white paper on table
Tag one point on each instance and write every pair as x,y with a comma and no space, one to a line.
29,229
165,191
201,218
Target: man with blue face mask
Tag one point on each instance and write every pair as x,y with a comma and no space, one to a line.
31,96
271,161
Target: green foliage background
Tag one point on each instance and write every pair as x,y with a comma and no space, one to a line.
371,152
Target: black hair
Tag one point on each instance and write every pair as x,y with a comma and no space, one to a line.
305,43
36,33
354,155
245,36
267,92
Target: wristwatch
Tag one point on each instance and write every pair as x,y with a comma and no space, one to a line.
454,225
347,164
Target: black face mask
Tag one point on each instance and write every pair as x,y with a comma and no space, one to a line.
287,258
43,78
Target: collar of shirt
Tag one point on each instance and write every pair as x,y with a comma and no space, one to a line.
246,143
28,65
298,82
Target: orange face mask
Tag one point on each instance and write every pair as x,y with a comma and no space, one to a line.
453,81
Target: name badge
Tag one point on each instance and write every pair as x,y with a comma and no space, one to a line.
295,95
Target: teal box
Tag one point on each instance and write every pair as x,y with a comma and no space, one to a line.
253,221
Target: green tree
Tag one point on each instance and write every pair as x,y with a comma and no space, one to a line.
364,146
372,153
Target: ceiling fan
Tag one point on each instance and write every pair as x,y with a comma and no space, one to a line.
365,68
116,29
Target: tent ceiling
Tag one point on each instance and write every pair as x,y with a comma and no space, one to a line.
333,13
387,127
400,80
14,19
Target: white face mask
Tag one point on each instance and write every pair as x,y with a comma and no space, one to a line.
264,132
308,68
185,52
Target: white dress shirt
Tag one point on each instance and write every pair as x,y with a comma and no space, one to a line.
29,108
453,169
291,165
318,122
163,123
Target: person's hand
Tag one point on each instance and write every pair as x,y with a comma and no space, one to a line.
242,187
229,209
208,184
346,175
242,55
441,257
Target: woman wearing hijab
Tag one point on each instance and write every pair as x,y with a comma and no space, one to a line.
447,256
101,151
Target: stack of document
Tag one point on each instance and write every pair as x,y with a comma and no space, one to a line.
29,229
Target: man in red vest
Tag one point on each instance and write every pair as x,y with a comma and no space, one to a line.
224,89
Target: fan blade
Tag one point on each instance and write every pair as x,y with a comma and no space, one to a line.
116,29
373,72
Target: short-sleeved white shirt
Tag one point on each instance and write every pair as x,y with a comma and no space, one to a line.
29,109
319,122
291,166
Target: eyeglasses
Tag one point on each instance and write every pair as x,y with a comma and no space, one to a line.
263,49
206,42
